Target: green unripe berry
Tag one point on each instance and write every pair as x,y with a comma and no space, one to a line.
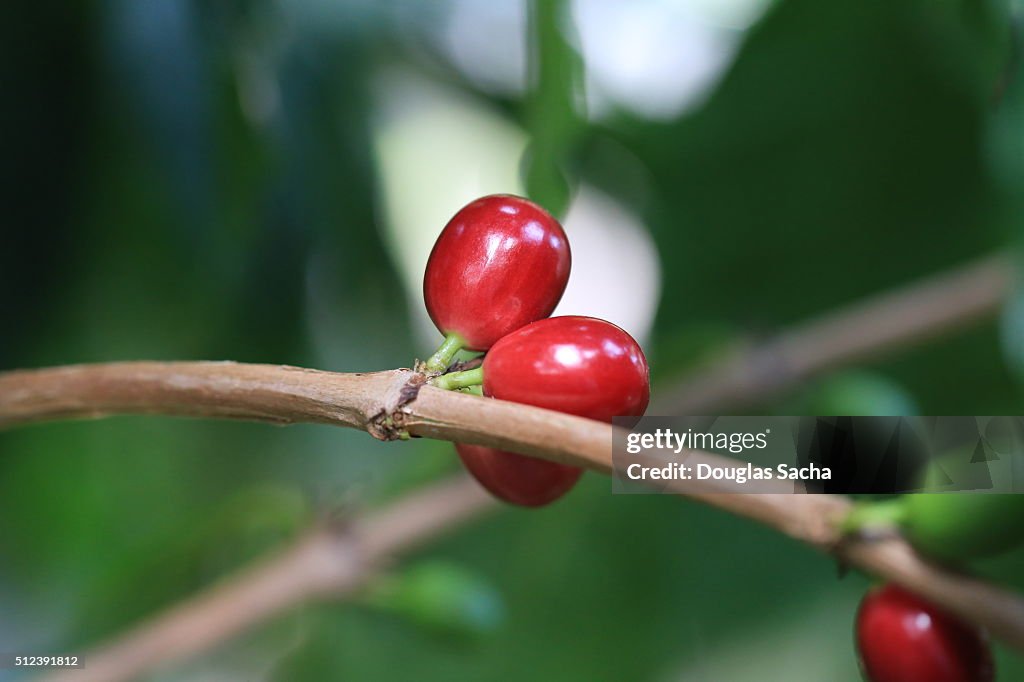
958,526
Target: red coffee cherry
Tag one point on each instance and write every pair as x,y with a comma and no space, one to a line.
573,364
577,365
500,263
516,479
903,638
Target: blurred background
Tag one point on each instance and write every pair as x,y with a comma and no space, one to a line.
262,181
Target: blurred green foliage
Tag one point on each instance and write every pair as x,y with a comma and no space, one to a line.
438,596
554,119
855,394
195,180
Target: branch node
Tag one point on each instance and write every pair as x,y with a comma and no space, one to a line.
388,423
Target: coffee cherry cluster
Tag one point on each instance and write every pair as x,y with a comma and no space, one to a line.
903,638
496,273
899,635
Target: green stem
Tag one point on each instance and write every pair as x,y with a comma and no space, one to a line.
553,120
440,360
472,390
455,380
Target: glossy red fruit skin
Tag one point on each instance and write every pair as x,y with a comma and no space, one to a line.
519,480
578,365
499,264
902,638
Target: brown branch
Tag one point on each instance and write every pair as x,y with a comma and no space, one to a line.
326,563
286,395
859,332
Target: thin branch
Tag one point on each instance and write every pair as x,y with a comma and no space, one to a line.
286,395
327,562
862,331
